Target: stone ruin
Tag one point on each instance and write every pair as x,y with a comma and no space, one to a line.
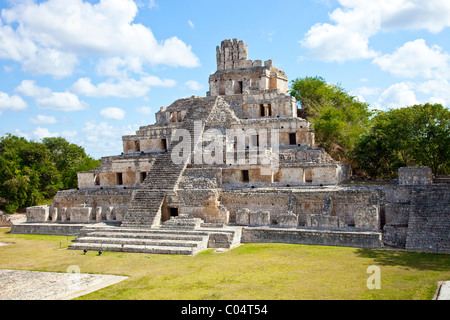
293,186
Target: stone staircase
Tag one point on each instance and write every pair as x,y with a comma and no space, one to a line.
180,235
146,203
152,241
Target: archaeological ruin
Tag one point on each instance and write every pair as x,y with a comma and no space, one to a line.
238,166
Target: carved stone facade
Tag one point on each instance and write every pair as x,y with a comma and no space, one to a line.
196,162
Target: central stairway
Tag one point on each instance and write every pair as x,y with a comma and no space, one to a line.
180,235
146,203
141,230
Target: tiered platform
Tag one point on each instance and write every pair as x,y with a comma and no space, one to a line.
180,235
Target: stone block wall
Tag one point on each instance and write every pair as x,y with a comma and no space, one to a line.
415,176
312,237
429,220
38,214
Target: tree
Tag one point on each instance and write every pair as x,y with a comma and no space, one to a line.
337,117
411,136
69,158
34,171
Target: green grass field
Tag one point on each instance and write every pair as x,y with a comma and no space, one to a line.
249,272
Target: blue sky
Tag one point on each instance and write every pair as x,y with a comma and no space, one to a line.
92,71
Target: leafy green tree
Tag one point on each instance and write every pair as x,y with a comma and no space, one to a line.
337,117
411,136
69,158
34,171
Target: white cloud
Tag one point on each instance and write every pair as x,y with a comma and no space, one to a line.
336,43
398,95
194,85
41,133
362,92
101,139
122,88
355,22
14,103
47,99
416,59
57,33
144,110
113,113
191,24
43,119
439,91
118,67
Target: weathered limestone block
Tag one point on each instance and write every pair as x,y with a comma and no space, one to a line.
119,212
367,218
38,214
109,213
63,214
54,214
243,217
415,176
98,214
288,220
80,214
259,218
322,221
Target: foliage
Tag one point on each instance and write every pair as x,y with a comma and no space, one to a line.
34,171
412,136
337,117
374,143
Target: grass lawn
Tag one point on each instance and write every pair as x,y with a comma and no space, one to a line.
249,272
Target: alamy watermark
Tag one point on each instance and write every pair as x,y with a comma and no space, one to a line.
227,147
374,280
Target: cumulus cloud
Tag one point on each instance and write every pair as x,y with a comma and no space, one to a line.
14,103
397,96
57,33
416,59
113,113
194,85
355,22
102,139
46,99
41,133
43,119
121,88
439,91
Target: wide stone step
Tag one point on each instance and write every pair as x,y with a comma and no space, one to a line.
134,248
146,235
143,242
153,231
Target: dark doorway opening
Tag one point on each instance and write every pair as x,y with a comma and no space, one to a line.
292,139
173,212
245,176
119,179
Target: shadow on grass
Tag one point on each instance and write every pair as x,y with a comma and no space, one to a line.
414,260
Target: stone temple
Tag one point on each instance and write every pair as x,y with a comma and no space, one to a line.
239,165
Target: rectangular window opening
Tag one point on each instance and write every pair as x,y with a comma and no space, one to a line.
292,139
245,176
174,212
119,179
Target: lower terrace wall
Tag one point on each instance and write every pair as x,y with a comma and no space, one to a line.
312,237
348,207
